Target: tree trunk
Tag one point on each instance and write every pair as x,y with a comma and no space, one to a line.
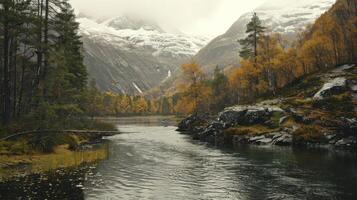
6,43
255,47
45,50
19,103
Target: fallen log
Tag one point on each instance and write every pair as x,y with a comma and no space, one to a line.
99,133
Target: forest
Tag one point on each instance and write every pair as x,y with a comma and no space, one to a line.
269,62
43,77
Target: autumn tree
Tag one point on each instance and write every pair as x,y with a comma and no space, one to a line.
193,76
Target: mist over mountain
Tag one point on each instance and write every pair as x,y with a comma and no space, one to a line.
129,55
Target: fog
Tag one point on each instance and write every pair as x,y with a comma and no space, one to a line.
200,17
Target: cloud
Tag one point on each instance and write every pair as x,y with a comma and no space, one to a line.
209,17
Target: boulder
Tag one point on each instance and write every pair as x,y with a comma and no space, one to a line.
333,87
283,140
247,115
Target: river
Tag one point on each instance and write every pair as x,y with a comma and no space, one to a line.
153,161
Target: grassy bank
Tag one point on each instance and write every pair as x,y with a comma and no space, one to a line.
37,162
38,152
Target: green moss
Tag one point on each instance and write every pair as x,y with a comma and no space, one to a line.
341,103
310,133
255,130
275,119
305,86
298,102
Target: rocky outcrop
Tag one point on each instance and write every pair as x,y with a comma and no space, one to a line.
324,116
247,115
193,124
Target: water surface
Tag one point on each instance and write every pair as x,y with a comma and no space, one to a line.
152,161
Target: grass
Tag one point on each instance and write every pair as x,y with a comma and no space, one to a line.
62,157
47,143
339,103
255,130
310,133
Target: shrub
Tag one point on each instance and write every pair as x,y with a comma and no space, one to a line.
310,133
44,143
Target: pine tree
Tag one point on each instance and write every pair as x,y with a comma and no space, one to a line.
219,90
250,44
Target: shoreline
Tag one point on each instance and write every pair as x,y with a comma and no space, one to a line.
13,166
218,133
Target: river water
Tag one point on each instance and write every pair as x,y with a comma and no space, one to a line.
153,161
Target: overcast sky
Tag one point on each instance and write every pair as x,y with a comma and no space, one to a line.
202,17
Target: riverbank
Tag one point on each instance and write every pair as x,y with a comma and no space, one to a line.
45,150
318,110
36,162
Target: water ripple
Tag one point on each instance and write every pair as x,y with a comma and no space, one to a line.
158,163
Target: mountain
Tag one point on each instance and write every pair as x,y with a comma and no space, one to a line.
282,16
130,55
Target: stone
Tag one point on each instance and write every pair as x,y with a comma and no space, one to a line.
192,123
333,87
347,142
247,115
282,120
254,139
264,141
283,140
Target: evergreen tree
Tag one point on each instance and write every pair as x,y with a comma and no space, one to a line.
219,90
250,44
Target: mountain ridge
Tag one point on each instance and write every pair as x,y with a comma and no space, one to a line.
131,56
223,50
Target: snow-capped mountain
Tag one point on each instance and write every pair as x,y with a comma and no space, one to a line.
282,16
131,55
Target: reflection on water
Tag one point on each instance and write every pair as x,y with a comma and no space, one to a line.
155,162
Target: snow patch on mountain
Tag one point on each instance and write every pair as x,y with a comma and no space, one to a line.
286,16
144,37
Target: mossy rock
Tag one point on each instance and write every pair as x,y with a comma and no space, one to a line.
255,130
342,102
309,133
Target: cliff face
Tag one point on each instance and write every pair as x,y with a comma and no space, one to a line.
319,110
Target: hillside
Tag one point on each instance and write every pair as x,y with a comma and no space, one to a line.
130,56
303,95
284,17
317,110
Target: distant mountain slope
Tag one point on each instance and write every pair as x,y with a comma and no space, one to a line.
282,16
129,55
